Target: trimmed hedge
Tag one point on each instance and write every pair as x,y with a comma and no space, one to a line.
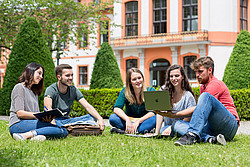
242,102
103,101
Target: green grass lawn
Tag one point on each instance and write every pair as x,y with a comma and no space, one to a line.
119,150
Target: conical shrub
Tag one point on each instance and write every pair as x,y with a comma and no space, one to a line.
106,73
237,71
29,46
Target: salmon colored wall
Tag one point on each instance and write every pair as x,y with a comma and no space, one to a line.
180,16
152,54
222,38
168,16
248,15
150,17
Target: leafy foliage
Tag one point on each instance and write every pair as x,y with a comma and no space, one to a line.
58,18
29,46
241,99
237,72
103,101
106,73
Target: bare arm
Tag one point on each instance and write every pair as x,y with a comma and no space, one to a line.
25,114
48,102
184,113
159,120
91,110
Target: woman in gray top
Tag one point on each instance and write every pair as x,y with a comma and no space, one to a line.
181,97
24,103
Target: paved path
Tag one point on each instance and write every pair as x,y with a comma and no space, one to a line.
243,129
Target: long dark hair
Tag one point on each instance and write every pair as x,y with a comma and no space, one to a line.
28,76
184,83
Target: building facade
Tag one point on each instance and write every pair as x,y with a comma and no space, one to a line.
155,34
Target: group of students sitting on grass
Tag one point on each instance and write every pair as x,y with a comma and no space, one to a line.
213,119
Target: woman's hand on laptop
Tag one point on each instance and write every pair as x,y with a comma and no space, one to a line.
168,114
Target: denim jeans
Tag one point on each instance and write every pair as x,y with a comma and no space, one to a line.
209,118
60,121
42,128
144,127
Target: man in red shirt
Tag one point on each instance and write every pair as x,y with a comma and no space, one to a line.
215,118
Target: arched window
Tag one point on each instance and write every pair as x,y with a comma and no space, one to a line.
158,72
187,61
131,63
131,18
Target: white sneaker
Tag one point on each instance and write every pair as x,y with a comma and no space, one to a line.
221,139
18,137
38,138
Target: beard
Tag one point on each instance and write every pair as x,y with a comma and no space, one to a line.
203,80
64,82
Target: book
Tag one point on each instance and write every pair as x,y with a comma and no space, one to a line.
89,122
50,113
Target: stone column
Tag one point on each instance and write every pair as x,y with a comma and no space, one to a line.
118,57
202,48
174,55
142,59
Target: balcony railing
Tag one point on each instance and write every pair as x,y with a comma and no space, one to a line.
154,39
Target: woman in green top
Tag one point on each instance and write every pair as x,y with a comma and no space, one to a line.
135,119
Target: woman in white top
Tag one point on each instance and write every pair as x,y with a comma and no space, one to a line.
181,97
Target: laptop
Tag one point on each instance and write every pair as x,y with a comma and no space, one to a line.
157,100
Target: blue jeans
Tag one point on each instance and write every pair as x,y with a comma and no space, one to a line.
144,127
60,121
209,118
42,128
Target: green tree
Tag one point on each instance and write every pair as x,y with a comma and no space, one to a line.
237,72
106,73
29,46
58,18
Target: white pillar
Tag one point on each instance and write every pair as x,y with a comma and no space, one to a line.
202,48
174,55
118,57
142,59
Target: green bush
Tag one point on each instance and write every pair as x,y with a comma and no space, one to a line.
103,101
241,99
237,72
106,73
29,46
